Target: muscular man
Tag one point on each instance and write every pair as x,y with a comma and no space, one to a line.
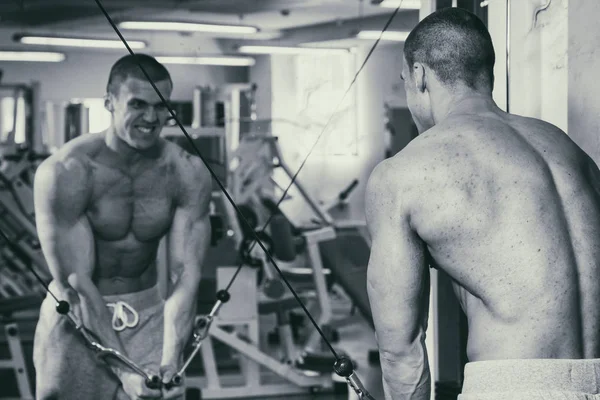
103,202
508,207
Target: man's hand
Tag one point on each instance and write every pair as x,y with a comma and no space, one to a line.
176,392
70,295
135,386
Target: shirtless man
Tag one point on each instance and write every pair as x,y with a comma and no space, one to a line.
103,202
509,207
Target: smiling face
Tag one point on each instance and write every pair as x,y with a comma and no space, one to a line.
138,113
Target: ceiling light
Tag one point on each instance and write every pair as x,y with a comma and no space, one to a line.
397,36
405,4
79,42
34,56
186,27
289,50
217,60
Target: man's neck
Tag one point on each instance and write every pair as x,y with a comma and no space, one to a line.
465,103
129,155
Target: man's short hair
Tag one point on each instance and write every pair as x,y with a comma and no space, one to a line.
129,66
456,45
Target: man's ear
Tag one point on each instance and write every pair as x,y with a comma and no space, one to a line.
108,102
420,78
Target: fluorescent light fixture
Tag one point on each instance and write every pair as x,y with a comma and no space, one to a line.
397,36
404,4
79,42
186,27
290,50
33,56
206,60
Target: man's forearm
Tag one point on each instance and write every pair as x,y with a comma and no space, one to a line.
179,315
406,378
108,337
408,392
96,320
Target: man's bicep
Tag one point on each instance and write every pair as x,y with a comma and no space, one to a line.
190,230
46,195
65,234
196,186
60,191
397,281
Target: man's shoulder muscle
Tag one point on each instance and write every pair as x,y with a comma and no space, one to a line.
191,172
425,165
410,167
385,192
62,184
64,168
71,161
86,146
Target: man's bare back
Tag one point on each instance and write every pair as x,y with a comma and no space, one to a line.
509,208
129,207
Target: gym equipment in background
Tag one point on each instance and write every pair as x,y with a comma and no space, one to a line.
18,161
324,241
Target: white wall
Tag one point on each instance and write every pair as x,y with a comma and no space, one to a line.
584,85
538,59
554,66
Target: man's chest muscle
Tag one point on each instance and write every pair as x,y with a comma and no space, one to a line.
141,204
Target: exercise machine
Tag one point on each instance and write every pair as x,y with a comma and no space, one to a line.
263,371
324,241
15,313
20,294
261,374
18,161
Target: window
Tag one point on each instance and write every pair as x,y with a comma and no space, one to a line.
9,124
321,82
310,102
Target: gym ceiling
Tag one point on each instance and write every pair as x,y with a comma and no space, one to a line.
279,22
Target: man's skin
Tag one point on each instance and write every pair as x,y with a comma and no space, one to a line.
103,203
509,208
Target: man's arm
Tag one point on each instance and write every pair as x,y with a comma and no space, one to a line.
398,287
188,241
61,192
